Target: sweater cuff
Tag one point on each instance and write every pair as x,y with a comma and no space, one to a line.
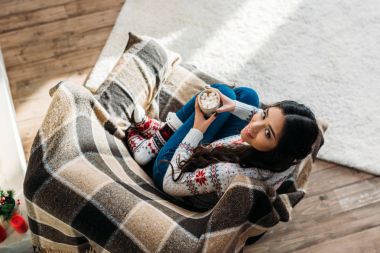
193,137
244,110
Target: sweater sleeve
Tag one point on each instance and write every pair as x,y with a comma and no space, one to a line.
245,111
212,178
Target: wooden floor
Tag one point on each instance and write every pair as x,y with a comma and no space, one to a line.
47,41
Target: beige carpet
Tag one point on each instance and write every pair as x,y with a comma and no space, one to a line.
322,53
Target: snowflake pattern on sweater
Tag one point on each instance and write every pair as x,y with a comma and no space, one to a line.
200,177
215,177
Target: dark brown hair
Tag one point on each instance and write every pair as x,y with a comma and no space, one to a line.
298,135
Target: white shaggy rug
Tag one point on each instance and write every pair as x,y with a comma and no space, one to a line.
321,53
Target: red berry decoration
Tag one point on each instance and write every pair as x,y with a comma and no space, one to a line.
18,223
8,213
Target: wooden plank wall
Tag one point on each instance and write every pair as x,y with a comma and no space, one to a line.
47,41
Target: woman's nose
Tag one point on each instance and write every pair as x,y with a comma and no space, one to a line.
256,127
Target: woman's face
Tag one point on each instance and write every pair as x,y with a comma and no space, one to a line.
264,129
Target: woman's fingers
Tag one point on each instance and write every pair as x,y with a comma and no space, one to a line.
227,103
223,108
209,121
226,108
197,109
222,96
212,117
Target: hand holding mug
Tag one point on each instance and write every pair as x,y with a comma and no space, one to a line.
200,122
228,104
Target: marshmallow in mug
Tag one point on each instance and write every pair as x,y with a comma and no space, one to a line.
209,101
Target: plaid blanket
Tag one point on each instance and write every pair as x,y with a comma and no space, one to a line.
84,192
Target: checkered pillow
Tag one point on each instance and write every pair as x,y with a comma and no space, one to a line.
136,78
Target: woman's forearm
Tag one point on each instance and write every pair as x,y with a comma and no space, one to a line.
185,150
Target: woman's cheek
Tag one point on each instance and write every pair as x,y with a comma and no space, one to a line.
261,143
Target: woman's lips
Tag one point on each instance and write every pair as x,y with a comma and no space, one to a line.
247,133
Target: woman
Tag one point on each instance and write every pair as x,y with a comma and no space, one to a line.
196,156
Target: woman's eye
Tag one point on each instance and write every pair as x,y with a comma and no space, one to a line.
267,133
